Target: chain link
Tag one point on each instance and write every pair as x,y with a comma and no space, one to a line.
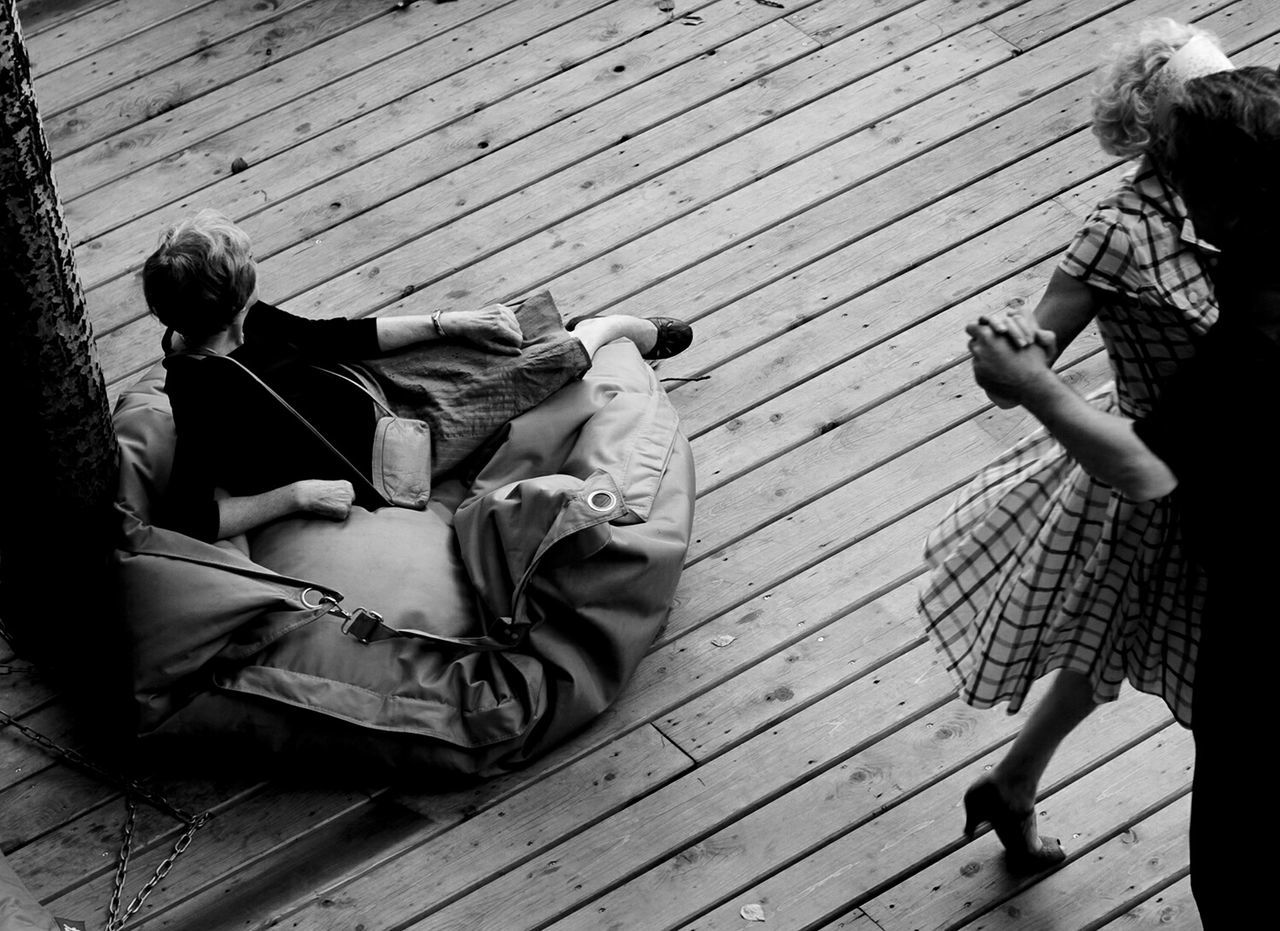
132,788
122,866
75,758
116,919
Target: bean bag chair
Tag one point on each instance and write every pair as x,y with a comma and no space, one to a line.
19,909
514,608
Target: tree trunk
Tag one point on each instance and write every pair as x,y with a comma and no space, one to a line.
59,459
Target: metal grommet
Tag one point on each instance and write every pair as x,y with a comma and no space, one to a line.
320,598
602,501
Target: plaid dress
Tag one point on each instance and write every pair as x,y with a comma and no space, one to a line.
1038,566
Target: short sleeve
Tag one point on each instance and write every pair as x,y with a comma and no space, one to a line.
334,338
1103,255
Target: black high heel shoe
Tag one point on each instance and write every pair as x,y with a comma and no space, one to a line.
983,803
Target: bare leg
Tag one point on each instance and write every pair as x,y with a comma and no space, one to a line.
599,331
1068,702
1016,778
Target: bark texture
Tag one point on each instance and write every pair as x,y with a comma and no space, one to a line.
59,450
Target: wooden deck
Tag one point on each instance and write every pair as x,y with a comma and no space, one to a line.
829,189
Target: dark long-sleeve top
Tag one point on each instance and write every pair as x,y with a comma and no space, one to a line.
232,435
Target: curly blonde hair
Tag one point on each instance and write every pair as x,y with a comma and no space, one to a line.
201,275
1127,97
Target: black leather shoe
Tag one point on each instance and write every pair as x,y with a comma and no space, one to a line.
674,337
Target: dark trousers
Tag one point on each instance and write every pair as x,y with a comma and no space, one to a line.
1232,822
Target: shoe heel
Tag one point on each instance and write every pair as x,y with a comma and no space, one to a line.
977,808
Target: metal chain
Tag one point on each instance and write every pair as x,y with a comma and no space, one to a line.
75,758
116,919
122,867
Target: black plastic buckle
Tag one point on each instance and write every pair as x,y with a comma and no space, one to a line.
362,624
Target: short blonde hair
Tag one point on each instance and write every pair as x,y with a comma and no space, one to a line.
1126,100
201,275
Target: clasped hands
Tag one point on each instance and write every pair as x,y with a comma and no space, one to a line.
1010,355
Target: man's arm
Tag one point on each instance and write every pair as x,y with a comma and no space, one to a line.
1105,445
237,515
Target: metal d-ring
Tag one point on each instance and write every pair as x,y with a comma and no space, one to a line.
321,598
594,502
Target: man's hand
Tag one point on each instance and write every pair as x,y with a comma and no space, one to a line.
1006,370
331,499
1012,324
493,328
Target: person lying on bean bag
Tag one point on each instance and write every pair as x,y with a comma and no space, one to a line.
244,461
280,608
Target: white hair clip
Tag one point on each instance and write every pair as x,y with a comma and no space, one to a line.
1200,56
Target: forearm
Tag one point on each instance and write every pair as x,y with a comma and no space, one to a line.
1067,307
1106,446
237,515
398,332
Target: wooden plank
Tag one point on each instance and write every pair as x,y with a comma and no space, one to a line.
561,253
827,659
856,920
848,645
898,772
193,146
1037,22
809,341
1012,260
1172,907
199,29
48,797
530,135
822,405
202,70
23,687
875,434
835,521
20,758
466,857
1088,815
813,114
501,223
819,737
520,261
79,838
876,858
722,277
60,43
678,670
263,821
868,62
1122,871
36,16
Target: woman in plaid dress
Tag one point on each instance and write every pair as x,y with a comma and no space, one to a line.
1038,566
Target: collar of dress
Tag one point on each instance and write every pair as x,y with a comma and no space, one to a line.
1151,186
